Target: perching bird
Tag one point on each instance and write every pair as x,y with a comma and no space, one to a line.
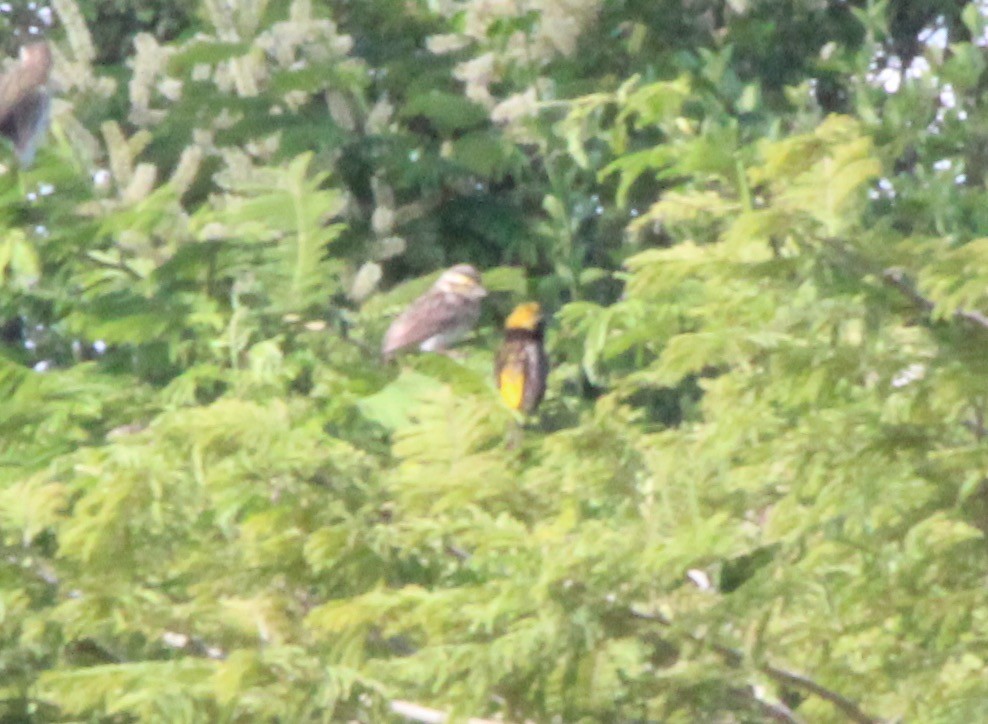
24,100
441,316
521,366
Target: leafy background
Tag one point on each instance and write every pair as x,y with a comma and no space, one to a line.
756,490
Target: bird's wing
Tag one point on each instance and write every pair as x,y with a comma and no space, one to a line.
538,370
424,318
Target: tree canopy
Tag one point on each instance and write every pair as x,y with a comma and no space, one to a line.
757,489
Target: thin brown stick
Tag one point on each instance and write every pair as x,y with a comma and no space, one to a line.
735,658
771,710
897,278
798,681
419,713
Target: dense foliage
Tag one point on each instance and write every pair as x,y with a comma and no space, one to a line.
757,489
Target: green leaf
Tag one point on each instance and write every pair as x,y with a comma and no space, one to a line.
209,52
448,112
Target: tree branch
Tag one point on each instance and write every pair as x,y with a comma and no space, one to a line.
798,681
897,278
735,658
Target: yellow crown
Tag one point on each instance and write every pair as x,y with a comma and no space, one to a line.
525,316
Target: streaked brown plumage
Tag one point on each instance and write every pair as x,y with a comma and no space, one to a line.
521,366
24,100
441,316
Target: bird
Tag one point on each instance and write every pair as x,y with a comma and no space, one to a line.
521,365
440,317
24,100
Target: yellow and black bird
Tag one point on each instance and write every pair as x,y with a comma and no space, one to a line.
521,366
441,316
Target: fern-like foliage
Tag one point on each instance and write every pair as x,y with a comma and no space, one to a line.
755,490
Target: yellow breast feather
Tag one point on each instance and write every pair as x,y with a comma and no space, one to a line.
512,384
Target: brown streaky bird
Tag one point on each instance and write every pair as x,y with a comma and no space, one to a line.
440,317
24,100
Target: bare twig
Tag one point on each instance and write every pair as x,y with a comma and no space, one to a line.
117,266
771,710
419,713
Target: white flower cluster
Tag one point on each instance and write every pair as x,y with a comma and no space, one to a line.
554,31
